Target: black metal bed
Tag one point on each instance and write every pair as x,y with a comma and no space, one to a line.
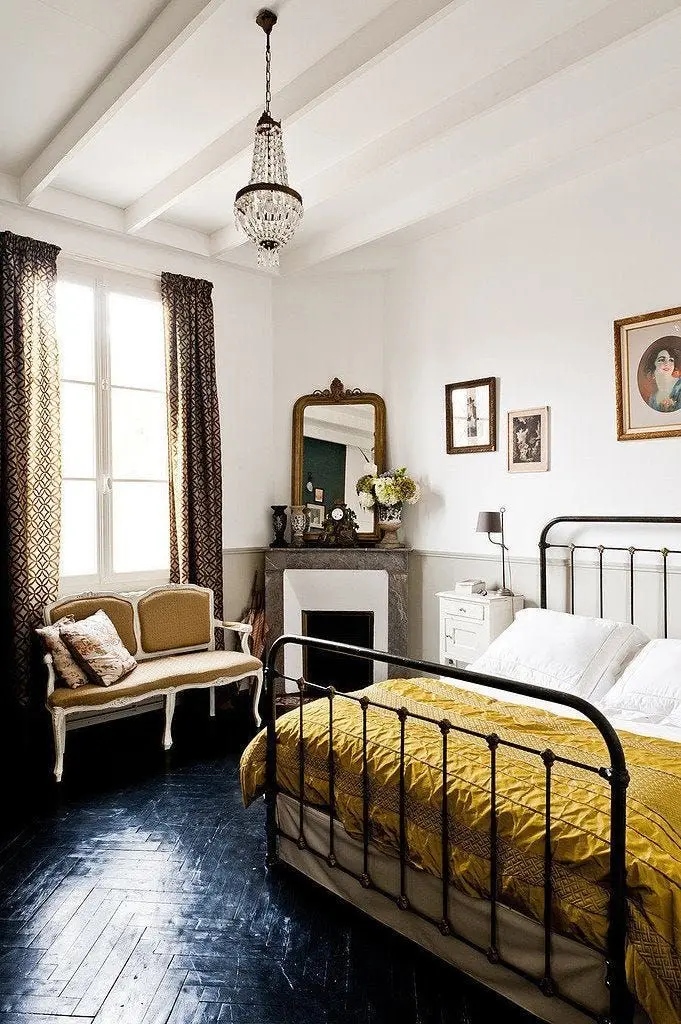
615,775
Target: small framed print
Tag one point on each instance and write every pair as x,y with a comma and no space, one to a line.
648,375
316,514
528,440
471,416
319,495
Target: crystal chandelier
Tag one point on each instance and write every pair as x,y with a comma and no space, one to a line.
268,209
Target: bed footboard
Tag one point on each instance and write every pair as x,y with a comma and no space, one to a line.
615,774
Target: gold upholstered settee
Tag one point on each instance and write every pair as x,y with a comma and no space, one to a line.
170,631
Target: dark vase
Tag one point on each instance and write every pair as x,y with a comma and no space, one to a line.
279,521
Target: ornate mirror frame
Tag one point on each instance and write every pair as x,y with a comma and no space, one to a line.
336,394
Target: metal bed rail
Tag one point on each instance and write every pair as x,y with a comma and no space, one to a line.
631,551
615,774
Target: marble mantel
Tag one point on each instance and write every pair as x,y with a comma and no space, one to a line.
393,562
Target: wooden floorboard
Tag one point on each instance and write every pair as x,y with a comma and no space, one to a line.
135,893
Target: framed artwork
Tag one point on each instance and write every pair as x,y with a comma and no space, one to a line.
528,440
319,495
471,416
316,514
648,375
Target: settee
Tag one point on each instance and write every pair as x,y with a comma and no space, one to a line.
170,631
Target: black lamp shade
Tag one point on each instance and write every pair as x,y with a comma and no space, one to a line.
489,522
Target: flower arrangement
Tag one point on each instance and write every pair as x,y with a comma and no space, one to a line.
391,488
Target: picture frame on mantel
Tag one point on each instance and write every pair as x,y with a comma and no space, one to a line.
648,375
471,416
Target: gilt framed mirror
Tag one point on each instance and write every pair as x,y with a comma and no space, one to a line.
337,435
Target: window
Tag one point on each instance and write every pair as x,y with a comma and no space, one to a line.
115,508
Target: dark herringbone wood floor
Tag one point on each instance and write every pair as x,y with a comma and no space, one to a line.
137,895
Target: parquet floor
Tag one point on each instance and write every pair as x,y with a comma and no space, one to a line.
137,895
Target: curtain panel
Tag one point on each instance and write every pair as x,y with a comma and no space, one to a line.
30,452
193,435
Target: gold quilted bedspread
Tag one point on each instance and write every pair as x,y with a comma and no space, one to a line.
580,812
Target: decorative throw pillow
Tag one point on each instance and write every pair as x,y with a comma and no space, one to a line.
98,649
68,672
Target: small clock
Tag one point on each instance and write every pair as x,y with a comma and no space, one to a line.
340,527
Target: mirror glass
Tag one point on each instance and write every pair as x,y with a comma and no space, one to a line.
338,448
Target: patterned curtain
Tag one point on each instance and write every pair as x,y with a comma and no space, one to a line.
30,452
193,435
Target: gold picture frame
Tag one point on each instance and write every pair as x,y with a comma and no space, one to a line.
648,375
471,416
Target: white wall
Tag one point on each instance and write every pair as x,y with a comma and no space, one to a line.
529,295
325,326
243,339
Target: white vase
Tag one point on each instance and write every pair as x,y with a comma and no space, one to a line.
298,525
389,522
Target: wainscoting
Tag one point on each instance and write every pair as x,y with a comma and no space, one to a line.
431,571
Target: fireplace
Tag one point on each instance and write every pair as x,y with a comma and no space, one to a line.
337,580
329,669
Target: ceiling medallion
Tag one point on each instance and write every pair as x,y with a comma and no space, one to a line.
268,210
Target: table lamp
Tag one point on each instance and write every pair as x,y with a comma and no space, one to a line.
493,522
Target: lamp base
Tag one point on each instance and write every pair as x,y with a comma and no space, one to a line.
505,592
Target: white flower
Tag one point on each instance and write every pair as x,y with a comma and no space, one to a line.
416,496
384,489
366,500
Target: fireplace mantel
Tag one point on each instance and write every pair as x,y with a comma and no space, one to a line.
393,562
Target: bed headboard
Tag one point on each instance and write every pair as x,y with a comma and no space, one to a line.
656,557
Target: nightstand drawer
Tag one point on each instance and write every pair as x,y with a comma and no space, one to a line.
465,609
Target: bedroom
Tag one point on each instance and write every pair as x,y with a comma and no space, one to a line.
486,192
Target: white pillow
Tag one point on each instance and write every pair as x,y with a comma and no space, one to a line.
650,688
571,653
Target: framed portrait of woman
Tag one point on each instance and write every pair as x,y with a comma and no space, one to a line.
648,375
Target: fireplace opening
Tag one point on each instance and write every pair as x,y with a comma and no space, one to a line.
326,668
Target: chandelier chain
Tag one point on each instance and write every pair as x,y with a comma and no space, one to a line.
268,74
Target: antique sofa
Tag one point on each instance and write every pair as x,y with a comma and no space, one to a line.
170,630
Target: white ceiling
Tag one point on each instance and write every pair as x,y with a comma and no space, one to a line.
399,115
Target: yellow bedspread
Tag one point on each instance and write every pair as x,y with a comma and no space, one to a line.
580,812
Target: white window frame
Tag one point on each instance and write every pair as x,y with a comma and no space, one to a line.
103,281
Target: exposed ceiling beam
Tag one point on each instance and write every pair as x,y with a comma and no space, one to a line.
569,151
370,44
178,20
606,28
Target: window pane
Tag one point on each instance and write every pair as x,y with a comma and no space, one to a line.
139,435
78,429
137,345
140,527
79,528
75,330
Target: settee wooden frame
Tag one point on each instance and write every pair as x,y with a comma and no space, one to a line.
167,691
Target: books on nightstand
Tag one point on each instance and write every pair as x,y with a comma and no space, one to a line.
470,587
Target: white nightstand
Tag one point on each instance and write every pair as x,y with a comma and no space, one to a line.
469,624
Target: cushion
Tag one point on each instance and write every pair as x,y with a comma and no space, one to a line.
571,653
180,670
98,649
119,610
175,618
650,688
68,672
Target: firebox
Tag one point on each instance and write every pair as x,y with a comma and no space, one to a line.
329,669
